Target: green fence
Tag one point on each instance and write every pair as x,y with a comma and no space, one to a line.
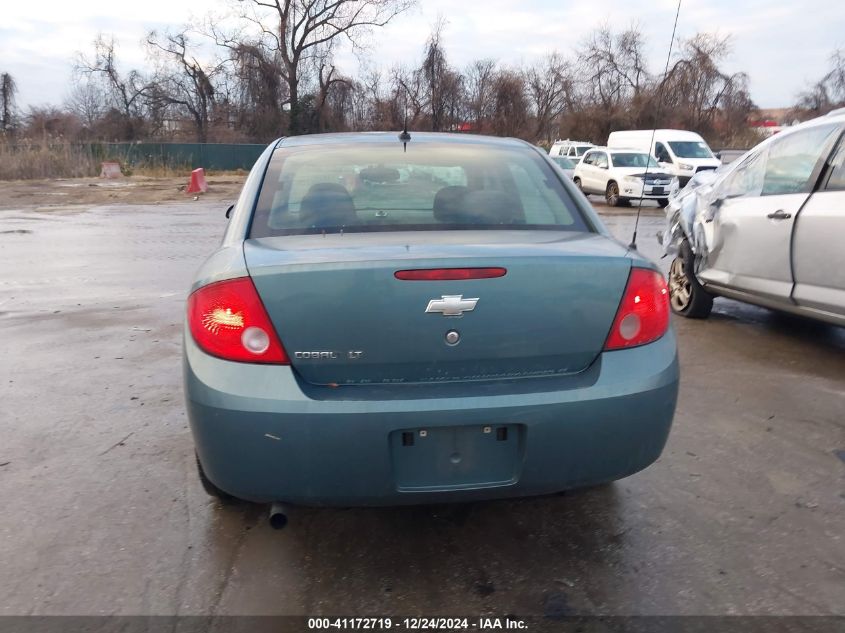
220,156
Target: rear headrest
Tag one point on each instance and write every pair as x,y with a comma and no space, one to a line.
327,204
494,207
459,205
448,203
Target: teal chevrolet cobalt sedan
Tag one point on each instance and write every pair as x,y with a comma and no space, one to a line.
403,319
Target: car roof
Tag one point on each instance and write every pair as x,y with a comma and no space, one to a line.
346,138
613,150
662,132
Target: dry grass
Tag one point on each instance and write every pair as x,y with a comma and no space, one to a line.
171,171
25,161
31,161
159,171
34,161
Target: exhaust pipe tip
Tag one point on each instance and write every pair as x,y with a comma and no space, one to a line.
278,516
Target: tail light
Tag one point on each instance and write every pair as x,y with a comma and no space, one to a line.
228,320
643,314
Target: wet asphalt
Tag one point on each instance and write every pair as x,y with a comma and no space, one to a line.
101,511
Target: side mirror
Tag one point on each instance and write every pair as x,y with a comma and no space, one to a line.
229,211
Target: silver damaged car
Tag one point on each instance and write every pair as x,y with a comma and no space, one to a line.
768,229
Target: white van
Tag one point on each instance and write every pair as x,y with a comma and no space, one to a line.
680,152
571,149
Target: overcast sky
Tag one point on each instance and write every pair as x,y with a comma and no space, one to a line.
783,45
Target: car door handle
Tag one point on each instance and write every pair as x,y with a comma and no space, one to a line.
780,214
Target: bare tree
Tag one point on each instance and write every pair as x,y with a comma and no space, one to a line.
443,86
510,109
695,88
296,31
613,76
51,122
181,80
836,76
408,98
338,111
259,91
550,87
479,78
735,110
827,93
327,77
370,102
87,101
8,90
124,92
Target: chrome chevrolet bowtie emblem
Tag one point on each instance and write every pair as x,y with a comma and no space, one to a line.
451,305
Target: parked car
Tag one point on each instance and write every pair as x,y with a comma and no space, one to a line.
570,149
446,322
622,175
727,156
567,165
679,152
768,229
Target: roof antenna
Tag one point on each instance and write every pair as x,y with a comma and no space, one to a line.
633,244
405,136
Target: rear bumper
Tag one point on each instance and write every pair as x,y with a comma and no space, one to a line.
263,436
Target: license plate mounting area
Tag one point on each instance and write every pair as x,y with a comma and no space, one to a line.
457,457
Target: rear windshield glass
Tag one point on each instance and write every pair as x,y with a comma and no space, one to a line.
633,160
690,149
358,187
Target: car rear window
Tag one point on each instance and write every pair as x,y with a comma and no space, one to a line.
357,187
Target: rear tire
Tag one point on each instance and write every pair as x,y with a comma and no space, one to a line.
211,489
663,202
611,194
687,297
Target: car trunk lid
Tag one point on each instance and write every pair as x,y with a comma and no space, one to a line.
344,317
